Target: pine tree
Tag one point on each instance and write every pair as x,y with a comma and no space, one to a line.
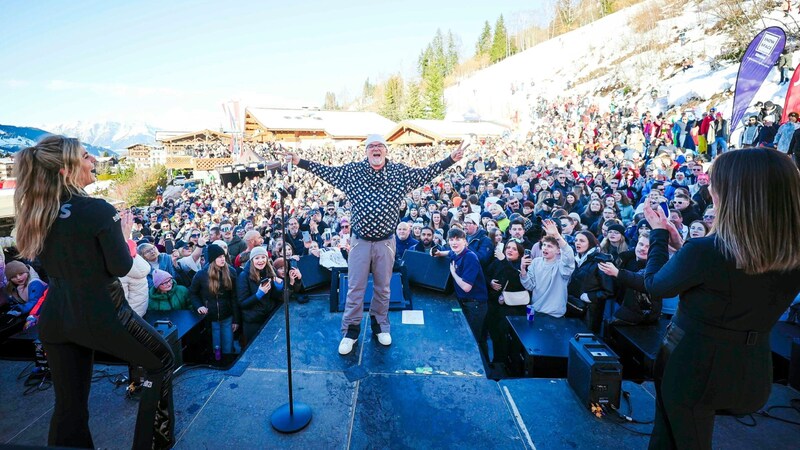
414,107
393,99
484,45
499,42
330,102
451,53
368,90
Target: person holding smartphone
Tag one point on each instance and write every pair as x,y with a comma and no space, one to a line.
253,286
547,276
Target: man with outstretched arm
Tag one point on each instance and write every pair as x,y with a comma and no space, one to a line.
375,187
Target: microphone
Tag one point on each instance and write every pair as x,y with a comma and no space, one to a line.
282,190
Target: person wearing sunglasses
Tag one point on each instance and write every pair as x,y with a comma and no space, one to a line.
375,186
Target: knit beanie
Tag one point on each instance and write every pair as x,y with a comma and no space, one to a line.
618,228
160,277
371,138
214,252
256,251
278,264
221,244
15,268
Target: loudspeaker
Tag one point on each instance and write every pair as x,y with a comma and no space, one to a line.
426,271
396,299
539,348
314,275
637,346
594,371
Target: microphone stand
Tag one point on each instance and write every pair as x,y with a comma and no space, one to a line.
293,416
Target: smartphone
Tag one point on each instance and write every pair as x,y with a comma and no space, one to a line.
292,264
501,246
527,252
265,280
665,208
306,236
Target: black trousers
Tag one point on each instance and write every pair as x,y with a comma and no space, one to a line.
698,377
71,366
499,327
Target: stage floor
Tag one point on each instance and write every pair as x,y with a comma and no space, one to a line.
428,390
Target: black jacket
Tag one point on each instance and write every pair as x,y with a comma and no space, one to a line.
504,272
220,306
587,278
712,290
235,246
637,305
254,309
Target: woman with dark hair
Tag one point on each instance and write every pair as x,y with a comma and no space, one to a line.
81,242
588,287
502,275
571,203
733,285
592,213
626,210
697,229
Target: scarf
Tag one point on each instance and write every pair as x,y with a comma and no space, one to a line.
579,260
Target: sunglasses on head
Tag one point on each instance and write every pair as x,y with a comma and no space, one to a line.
225,229
197,235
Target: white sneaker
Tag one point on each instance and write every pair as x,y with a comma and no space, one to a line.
385,338
346,346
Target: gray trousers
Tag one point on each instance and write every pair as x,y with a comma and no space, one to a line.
379,257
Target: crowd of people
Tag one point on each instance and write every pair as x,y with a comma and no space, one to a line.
557,219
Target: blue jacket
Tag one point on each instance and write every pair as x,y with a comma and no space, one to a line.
784,136
482,246
402,246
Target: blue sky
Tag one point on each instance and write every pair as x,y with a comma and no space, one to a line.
173,63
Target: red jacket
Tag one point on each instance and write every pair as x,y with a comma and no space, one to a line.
705,124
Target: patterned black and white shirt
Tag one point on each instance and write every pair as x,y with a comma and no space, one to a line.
375,194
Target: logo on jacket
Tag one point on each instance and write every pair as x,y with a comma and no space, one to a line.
65,212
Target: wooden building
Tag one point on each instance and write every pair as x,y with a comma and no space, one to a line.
311,126
140,155
429,132
195,150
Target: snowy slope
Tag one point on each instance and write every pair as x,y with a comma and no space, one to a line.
108,134
14,138
609,62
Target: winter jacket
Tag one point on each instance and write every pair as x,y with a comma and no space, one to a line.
504,272
134,284
784,136
256,306
482,246
749,135
637,306
587,278
220,306
236,246
175,298
402,246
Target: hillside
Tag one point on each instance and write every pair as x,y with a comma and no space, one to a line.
14,138
631,56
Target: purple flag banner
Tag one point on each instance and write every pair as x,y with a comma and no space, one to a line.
758,60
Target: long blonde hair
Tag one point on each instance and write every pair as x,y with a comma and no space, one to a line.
758,209
218,277
41,184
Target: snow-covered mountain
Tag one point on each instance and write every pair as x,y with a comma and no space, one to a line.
14,138
615,60
109,134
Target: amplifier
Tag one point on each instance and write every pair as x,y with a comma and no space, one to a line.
426,271
594,371
314,275
396,299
